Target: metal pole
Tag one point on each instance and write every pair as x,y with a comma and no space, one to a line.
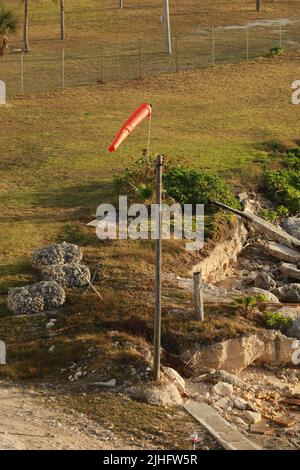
140,60
247,34
167,30
280,33
199,307
101,63
213,45
63,70
22,74
176,53
158,250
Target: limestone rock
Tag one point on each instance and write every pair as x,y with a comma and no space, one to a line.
290,270
67,275
292,226
257,291
60,253
223,388
282,252
289,293
224,403
175,378
35,298
253,417
240,404
163,395
264,281
235,354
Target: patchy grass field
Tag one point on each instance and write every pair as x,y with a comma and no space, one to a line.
102,42
55,168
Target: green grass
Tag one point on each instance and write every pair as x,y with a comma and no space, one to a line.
55,168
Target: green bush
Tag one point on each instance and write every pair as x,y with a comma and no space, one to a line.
276,51
277,321
194,187
292,159
283,186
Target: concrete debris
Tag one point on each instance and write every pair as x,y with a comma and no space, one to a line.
223,388
253,417
282,252
175,378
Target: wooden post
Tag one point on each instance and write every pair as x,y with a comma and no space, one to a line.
158,250
167,30
199,307
121,3
280,33
258,4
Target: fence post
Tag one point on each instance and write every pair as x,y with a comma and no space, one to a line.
247,35
101,62
140,60
63,70
280,33
176,54
121,3
199,307
213,45
22,73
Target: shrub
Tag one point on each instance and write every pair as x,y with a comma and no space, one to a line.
292,159
194,187
276,51
283,186
277,321
248,303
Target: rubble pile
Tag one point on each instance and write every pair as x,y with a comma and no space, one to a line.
258,402
58,266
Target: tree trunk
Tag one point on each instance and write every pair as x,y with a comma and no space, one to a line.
258,4
26,39
62,19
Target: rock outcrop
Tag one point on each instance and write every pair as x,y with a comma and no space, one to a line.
234,355
292,226
289,293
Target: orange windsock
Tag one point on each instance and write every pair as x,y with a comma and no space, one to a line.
142,112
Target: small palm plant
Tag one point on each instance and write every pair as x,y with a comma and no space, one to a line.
8,24
248,303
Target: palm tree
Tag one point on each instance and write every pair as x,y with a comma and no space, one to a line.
62,19
25,34
8,24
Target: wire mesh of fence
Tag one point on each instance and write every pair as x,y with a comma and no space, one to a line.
65,68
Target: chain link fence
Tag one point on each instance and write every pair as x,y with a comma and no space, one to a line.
31,73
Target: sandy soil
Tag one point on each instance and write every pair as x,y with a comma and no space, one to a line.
28,424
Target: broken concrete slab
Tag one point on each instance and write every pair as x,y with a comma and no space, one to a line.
254,417
290,270
261,428
229,437
282,252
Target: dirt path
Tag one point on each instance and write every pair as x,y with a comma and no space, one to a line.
27,424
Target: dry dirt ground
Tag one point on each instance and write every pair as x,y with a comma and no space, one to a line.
28,424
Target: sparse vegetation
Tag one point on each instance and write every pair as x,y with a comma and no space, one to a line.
276,51
277,321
